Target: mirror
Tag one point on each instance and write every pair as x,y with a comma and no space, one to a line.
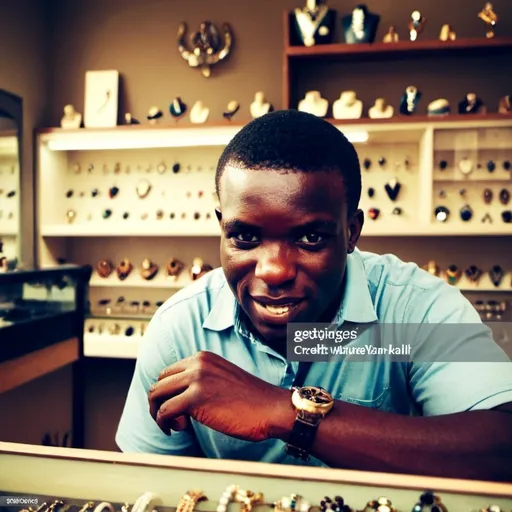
11,115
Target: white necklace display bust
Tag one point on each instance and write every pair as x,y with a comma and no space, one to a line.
71,118
381,110
199,113
348,106
313,103
260,106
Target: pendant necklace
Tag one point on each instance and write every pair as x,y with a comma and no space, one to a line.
309,22
393,189
496,274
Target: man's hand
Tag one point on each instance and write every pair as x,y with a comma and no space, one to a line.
220,395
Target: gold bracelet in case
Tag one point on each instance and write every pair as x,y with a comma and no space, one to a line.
189,501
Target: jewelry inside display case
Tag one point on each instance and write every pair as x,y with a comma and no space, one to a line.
48,479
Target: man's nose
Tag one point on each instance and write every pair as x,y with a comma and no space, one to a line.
276,265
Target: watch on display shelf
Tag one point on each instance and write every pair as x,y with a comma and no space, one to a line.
312,405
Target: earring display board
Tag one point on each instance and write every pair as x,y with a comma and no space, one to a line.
142,482
473,176
9,196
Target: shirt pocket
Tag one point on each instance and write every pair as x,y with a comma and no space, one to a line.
377,399
366,384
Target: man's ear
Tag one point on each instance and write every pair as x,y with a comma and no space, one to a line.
218,214
355,227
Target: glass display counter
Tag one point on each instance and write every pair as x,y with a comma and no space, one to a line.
70,479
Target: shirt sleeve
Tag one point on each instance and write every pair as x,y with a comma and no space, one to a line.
137,431
461,367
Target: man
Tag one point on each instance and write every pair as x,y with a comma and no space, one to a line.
213,368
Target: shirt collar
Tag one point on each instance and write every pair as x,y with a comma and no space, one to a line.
356,306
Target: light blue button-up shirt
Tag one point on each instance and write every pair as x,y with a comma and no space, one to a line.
379,288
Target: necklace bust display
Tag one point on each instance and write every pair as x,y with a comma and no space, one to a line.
71,119
313,103
199,113
416,25
348,106
260,106
471,104
381,110
360,26
410,100
314,23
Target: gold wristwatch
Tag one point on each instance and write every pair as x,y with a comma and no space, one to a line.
312,405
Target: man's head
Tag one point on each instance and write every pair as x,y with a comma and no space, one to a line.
289,185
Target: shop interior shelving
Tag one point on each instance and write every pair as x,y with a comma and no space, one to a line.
81,160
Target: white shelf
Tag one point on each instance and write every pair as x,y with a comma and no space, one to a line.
138,137
371,228
147,229
8,232
135,281
111,346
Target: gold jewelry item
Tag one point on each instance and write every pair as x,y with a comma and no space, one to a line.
87,506
149,270
292,503
432,268
199,269
104,268
143,188
248,499
105,505
174,267
488,15
189,500
114,330
71,215
453,274
124,268
56,504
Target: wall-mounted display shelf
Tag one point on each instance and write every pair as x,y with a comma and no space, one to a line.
156,203
378,50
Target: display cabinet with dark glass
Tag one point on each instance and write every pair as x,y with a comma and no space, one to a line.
39,308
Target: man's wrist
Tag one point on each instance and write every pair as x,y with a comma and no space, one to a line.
282,417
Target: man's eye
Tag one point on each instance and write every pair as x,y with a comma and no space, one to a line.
312,238
246,237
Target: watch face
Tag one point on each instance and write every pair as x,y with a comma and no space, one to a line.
313,399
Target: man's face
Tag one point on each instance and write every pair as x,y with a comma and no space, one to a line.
284,244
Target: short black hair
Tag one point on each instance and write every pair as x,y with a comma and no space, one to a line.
294,141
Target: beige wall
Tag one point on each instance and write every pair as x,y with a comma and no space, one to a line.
24,71
138,39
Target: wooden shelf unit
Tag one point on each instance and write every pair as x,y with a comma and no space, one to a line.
293,55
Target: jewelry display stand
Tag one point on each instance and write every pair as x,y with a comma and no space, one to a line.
76,477
473,178
146,205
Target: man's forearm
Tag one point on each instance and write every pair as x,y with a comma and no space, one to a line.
474,445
